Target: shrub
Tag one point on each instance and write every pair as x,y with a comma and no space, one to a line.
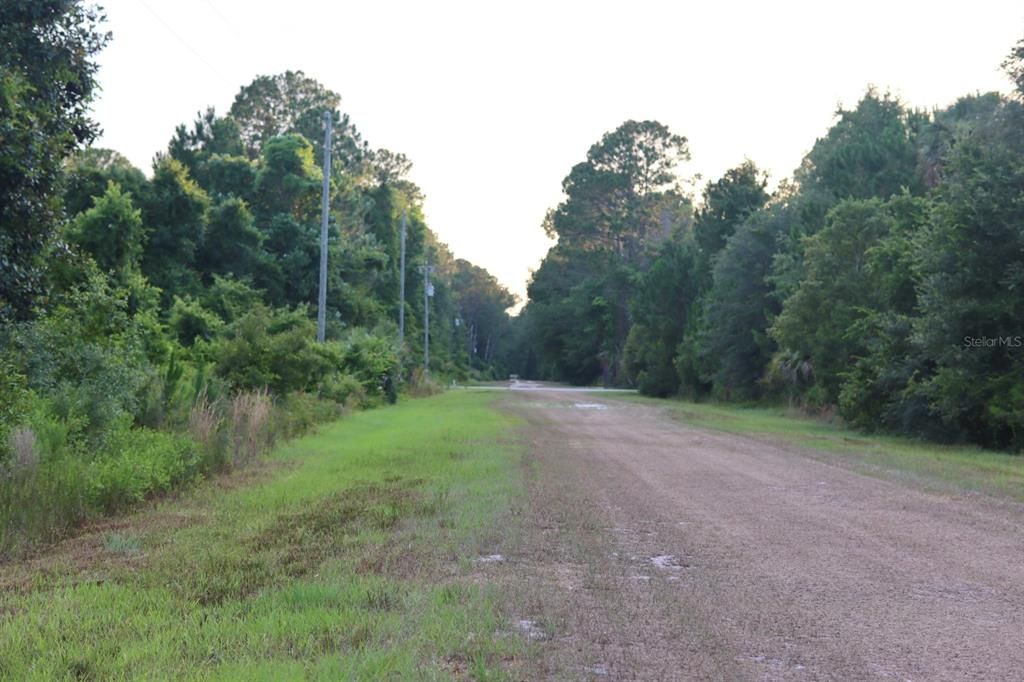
274,349
297,413
137,464
421,385
343,389
372,359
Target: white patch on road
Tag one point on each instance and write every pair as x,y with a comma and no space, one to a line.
666,562
531,629
490,559
590,406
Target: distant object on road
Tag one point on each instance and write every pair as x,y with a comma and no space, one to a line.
513,377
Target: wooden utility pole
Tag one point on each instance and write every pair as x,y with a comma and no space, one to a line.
321,311
428,291
401,287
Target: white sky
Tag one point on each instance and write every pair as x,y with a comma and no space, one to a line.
495,102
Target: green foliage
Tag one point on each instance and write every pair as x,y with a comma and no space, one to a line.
288,181
233,244
740,306
89,172
372,360
176,214
869,152
14,400
664,298
482,304
190,322
180,314
88,358
727,203
47,79
230,298
137,463
111,232
210,135
970,279
292,102
817,320
620,204
1014,66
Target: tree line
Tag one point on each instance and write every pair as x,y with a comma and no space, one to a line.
146,322
883,281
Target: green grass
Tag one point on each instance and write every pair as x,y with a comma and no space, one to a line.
348,557
943,468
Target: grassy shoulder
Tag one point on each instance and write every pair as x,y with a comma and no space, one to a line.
348,555
944,468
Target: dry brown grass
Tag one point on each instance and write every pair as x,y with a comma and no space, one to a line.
203,421
249,418
24,456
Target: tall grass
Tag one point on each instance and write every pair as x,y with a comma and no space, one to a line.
51,484
250,420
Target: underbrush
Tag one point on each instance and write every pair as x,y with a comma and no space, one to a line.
55,477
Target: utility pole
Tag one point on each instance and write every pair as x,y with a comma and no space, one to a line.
401,288
321,312
428,291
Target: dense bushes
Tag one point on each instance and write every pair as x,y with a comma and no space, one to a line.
52,478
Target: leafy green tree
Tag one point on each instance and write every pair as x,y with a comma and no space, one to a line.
210,135
176,214
112,233
971,275
727,203
232,244
288,181
869,152
229,298
620,203
482,304
664,298
292,102
87,358
740,306
228,176
616,198
47,80
818,319
1014,66
274,349
189,321
88,172
572,316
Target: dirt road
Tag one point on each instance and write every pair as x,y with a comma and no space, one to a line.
654,551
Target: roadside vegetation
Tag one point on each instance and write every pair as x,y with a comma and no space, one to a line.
882,281
156,330
348,554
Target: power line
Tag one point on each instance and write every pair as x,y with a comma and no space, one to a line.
185,43
227,22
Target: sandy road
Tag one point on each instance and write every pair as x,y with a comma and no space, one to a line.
657,551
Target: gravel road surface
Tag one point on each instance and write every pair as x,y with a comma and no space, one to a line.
656,551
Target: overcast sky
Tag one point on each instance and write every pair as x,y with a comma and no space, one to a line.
495,102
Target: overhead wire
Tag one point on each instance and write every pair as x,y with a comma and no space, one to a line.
213,69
